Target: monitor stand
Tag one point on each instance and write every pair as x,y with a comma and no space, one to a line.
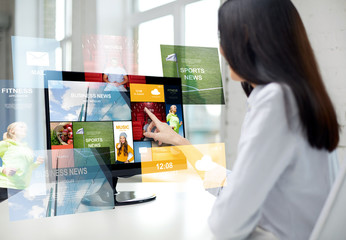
129,197
107,195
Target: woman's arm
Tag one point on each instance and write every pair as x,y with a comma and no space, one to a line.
105,78
126,80
3,149
130,157
168,118
265,149
219,176
38,162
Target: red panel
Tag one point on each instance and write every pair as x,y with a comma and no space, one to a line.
137,133
136,79
93,77
136,124
159,116
140,118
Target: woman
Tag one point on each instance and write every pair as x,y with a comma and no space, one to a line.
17,160
115,76
280,179
124,151
173,119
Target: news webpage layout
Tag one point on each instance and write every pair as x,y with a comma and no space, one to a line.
85,115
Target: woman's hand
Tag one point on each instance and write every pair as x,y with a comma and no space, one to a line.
40,160
9,171
163,133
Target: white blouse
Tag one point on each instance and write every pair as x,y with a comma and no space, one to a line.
279,182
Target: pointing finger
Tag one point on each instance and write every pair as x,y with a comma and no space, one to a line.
152,116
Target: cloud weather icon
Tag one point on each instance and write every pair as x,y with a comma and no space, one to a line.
205,164
39,59
155,92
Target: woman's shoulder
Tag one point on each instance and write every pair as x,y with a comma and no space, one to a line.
278,97
274,93
3,143
269,91
8,142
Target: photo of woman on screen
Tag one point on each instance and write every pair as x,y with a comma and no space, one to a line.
124,150
17,160
173,119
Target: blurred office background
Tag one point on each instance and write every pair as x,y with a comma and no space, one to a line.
150,23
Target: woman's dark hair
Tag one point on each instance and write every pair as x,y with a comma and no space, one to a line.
265,41
125,148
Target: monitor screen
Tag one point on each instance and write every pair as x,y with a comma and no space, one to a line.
92,110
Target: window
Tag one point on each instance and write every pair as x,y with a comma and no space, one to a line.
180,22
144,5
201,24
150,35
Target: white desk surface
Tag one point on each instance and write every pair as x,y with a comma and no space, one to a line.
179,212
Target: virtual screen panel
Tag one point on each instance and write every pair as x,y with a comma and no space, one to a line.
72,170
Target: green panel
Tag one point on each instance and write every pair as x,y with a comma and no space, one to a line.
199,70
96,134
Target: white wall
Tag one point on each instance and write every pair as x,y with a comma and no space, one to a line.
110,17
325,22
27,18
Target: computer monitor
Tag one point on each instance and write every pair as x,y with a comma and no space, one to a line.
91,110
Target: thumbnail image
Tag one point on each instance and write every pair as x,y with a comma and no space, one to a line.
147,92
123,140
17,104
115,77
20,160
142,151
31,57
174,118
173,94
61,135
140,119
86,101
94,135
199,70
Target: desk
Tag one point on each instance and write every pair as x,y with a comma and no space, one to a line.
179,212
